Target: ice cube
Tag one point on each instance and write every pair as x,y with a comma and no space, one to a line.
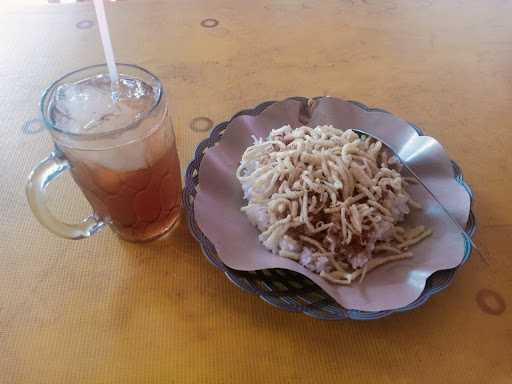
91,106
130,157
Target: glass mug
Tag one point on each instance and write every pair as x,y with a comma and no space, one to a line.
128,170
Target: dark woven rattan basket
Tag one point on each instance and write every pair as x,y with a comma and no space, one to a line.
289,290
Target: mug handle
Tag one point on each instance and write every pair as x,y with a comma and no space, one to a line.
38,180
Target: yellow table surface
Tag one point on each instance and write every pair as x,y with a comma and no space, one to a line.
105,311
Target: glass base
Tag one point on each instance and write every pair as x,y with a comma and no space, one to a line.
162,231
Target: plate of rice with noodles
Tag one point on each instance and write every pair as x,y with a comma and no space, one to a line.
315,206
331,200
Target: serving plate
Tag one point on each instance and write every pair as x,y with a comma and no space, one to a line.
290,290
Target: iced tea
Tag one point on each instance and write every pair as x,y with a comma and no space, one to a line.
118,141
139,205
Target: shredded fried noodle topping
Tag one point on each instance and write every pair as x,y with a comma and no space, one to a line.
328,199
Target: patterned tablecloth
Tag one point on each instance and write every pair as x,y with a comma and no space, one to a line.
105,311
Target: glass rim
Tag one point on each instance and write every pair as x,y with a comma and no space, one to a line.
48,91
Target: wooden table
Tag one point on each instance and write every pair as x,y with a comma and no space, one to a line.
105,311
